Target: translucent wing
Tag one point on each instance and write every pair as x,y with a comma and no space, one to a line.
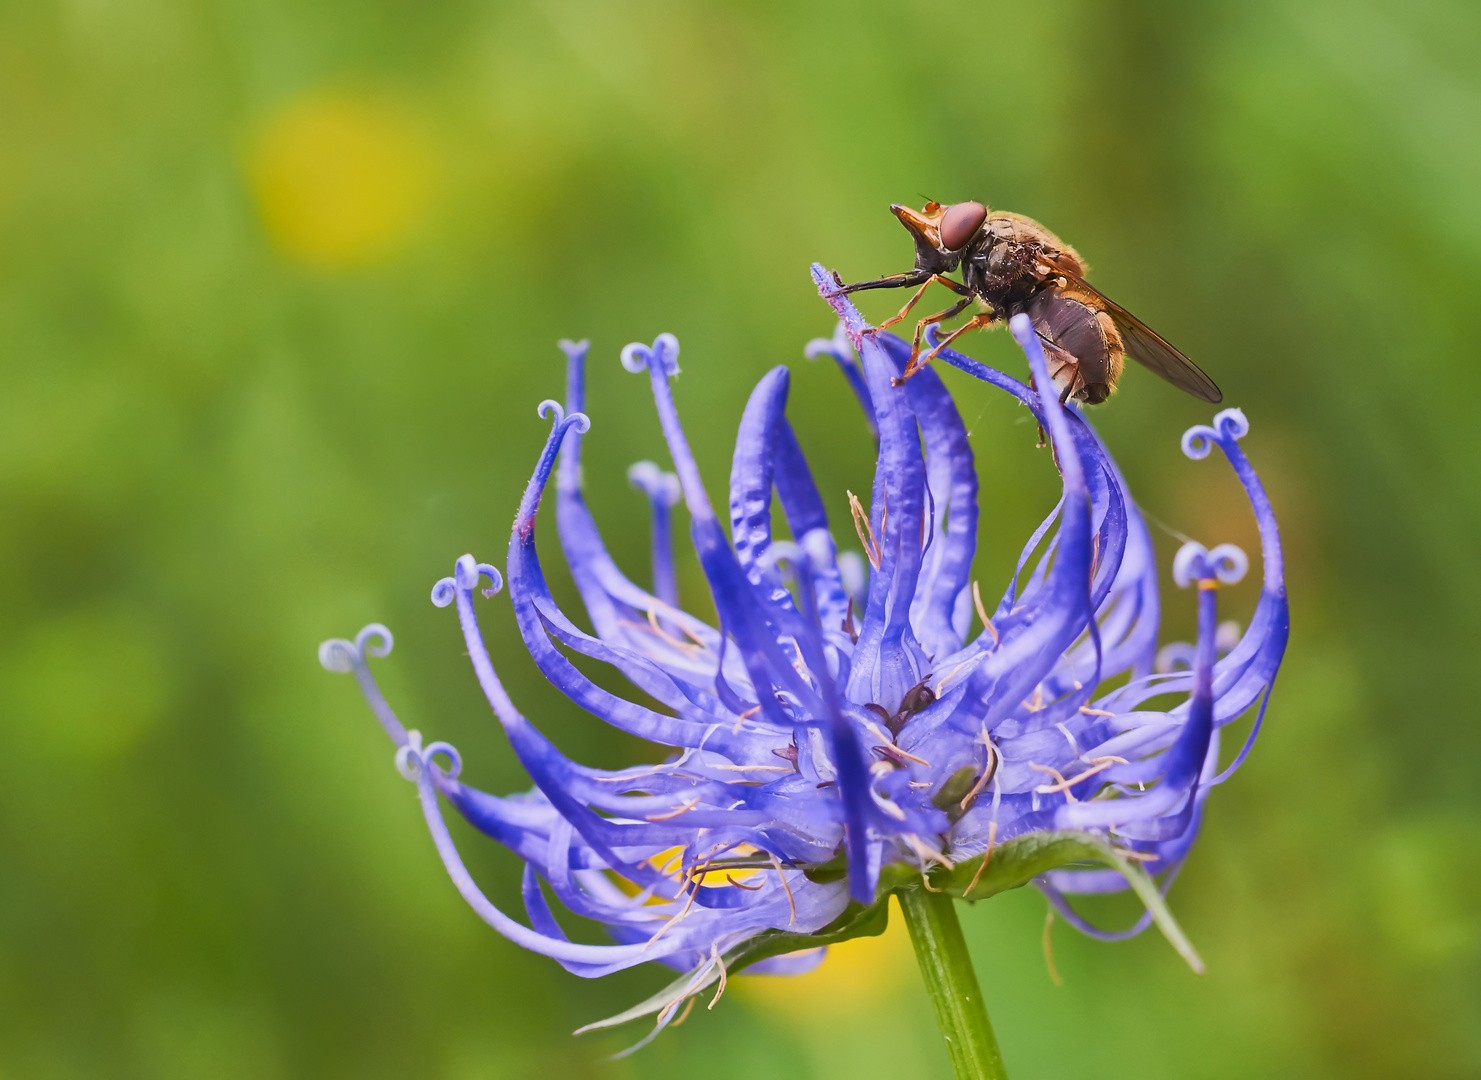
1149,348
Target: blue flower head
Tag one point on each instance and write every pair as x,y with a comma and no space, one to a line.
843,731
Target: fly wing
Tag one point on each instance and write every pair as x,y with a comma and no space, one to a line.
1151,349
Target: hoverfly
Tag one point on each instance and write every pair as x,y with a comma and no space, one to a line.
1012,264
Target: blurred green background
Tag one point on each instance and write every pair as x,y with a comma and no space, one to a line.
279,290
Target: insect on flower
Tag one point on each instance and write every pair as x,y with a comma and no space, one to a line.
1010,265
841,735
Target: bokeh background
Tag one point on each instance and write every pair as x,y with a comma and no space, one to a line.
279,289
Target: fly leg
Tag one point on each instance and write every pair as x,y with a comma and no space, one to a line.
894,281
959,289
987,318
920,329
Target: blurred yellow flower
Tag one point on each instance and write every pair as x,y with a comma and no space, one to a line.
341,181
857,975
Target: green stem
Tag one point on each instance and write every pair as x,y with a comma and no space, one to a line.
947,970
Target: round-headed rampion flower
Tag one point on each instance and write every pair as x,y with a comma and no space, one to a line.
840,732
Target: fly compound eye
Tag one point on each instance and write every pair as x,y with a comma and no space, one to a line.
960,223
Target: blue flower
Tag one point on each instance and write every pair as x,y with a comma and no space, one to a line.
839,732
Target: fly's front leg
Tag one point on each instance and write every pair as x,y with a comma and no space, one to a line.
936,279
894,281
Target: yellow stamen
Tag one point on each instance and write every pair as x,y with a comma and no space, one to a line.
670,815
863,528
721,989
1049,948
989,767
752,711
790,902
1058,776
926,851
682,646
688,1007
1099,764
982,614
992,839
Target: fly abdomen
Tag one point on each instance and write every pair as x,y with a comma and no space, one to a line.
1082,340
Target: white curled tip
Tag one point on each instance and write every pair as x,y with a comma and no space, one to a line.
409,755
466,573
381,647
1229,563
578,420
838,346
664,351
338,655
1233,423
1189,564
819,546
784,551
635,357
574,350
454,759
666,348
1199,440
468,570
1177,656
851,571
662,487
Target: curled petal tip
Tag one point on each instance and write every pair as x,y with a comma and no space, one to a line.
662,487
574,350
1177,656
444,592
784,551
666,348
855,578
1229,563
496,580
409,755
374,640
337,655
1226,563
578,420
1199,440
466,572
1189,564
412,757
818,545
664,351
454,759
1233,423
635,357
